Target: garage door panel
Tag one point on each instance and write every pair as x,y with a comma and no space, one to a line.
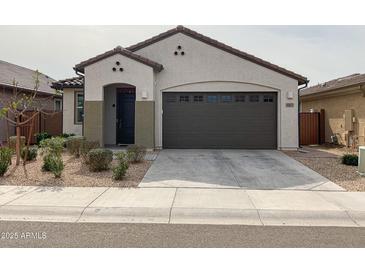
219,124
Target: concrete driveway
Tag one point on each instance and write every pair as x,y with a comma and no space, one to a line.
249,169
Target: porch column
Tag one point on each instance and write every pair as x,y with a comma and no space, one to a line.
145,123
93,121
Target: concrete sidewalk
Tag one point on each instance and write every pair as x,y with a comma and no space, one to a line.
183,206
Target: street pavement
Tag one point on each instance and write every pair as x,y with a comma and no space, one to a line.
46,234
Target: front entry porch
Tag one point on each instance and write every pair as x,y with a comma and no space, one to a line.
121,118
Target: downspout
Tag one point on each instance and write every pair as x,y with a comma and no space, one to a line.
83,90
299,90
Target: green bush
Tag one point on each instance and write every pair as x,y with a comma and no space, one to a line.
42,136
86,146
12,143
5,159
73,145
53,145
99,159
32,153
350,159
136,153
66,135
46,162
123,164
54,164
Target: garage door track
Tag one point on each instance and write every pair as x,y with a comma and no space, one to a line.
248,169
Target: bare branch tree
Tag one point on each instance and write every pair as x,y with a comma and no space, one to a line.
15,107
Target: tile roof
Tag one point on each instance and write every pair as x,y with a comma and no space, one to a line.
75,82
347,81
119,50
24,77
181,29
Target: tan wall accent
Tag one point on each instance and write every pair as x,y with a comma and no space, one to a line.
93,121
334,114
144,123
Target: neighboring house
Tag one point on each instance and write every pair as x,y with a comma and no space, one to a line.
343,101
25,79
181,89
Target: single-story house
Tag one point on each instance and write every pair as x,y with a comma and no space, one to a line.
181,89
25,79
343,101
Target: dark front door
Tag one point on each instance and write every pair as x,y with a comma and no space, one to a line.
126,98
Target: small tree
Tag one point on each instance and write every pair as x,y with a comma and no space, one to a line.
14,110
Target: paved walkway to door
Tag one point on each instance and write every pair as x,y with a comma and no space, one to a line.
248,169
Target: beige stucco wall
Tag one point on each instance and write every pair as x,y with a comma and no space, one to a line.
206,64
202,68
335,107
100,74
69,125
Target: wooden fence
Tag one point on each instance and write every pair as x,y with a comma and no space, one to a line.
52,124
312,130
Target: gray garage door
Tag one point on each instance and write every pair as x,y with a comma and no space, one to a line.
219,120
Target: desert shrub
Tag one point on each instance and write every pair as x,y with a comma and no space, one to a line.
136,153
99,159
53,145
12,142
54,164
350,159
86,146
42,136
52,159
123,164
46,162
32,153
73,145
5,159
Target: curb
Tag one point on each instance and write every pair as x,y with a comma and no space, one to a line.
40,213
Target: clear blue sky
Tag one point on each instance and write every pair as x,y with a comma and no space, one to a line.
320,53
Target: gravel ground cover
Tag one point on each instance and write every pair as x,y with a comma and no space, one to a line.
327,162
75,174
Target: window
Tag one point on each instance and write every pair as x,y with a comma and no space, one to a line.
184,98
226,98
79,107
212,98
240,98
57,104
198,98
254,98
268,99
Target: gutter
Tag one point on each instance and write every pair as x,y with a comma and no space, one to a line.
83,90
299,90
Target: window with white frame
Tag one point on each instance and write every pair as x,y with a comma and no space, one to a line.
79,107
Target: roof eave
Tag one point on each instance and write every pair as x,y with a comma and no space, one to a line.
345,89
81,66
